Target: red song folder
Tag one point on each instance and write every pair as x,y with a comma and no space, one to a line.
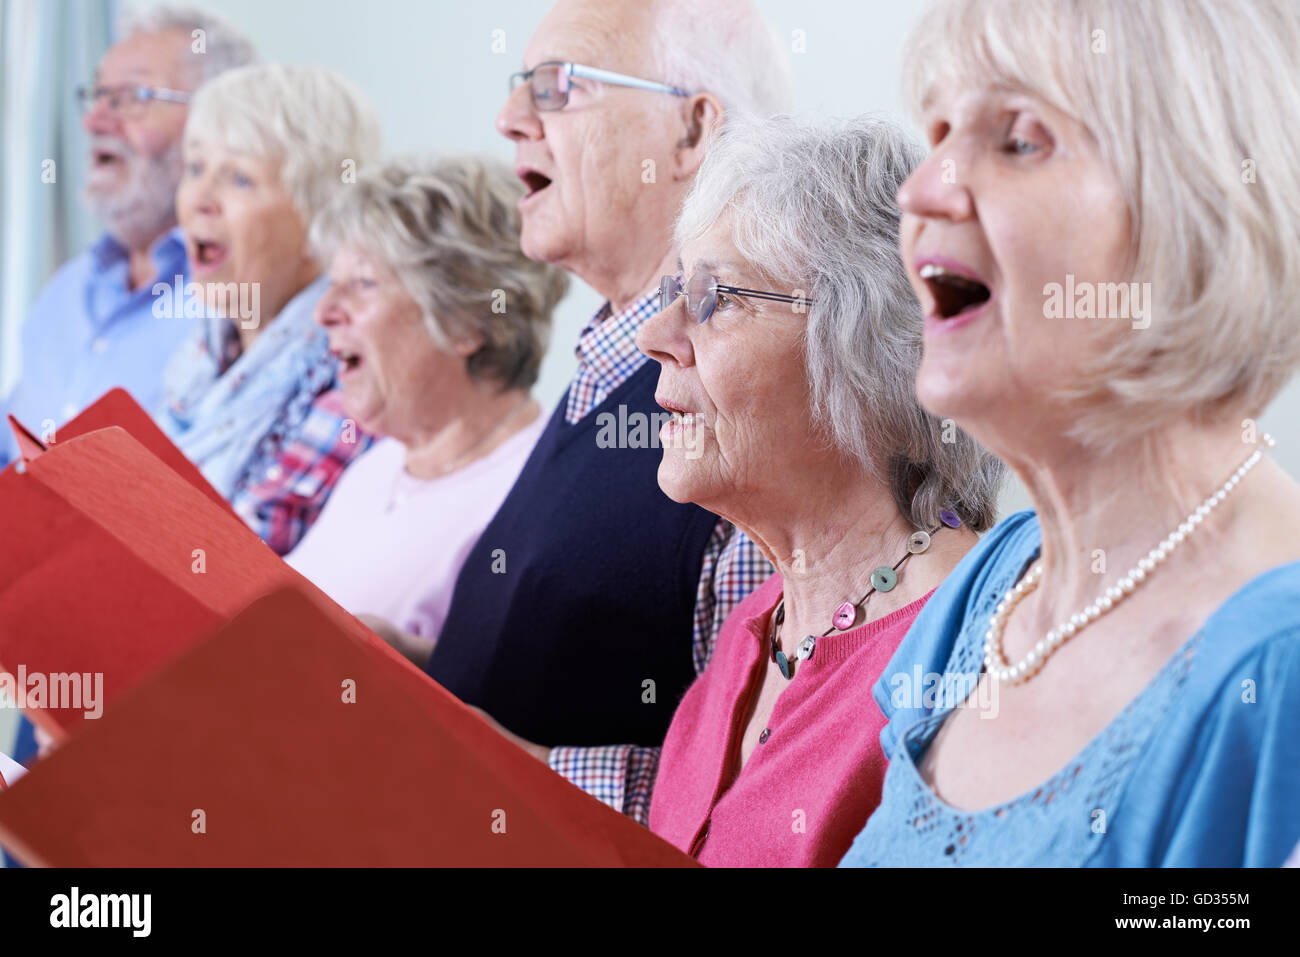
116,556
288,739
114,408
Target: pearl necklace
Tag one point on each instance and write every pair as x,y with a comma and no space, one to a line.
995,661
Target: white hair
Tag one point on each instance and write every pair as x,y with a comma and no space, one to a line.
725,48
223,46
314,121
1192,103
812,210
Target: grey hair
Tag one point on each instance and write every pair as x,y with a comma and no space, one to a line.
812,209
449,228
725,48
314,121
224,46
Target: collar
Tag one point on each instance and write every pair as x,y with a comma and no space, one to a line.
167,253
607,344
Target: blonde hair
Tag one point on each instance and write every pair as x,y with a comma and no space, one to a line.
449,228
1192,104
311,119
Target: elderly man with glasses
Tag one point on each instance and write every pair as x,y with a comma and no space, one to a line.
592,601
94,326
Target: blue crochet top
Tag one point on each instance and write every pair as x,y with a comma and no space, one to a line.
1201,769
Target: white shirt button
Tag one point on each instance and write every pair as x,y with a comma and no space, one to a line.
69,410
98,346
275,473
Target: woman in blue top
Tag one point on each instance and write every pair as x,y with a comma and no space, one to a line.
1106,242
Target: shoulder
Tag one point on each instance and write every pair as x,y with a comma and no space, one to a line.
1249,652
999,557
1265,607
968,591
515,450
1229,746
66,284
1249,643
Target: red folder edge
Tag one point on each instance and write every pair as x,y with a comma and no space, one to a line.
29,446
116,407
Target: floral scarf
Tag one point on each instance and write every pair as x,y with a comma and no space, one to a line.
231,412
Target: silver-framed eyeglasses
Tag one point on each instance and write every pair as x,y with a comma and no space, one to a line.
702,295
127,100
550,83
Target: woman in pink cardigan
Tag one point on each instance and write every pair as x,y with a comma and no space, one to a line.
789,343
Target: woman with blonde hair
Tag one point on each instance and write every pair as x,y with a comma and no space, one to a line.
1105,239
265,148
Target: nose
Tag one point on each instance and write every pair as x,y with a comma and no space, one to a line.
517,120
196,195
329,311
665,337
939,188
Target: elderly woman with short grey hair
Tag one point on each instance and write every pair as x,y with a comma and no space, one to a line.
788,346
439,323
264,149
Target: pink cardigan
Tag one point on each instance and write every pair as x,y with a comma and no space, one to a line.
808,790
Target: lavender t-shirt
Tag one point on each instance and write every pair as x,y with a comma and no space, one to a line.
392,545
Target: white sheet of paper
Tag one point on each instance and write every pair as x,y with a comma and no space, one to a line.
10,769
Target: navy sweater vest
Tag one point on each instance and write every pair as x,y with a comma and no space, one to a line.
581,589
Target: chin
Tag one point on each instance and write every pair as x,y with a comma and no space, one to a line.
358,412
542,243
935,397
981,408
680,481
948,390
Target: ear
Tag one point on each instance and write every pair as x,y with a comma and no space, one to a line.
703,116
466,346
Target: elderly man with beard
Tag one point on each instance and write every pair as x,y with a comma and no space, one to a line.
591,601
94,325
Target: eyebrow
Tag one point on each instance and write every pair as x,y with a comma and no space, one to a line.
721,268
544,59
134,71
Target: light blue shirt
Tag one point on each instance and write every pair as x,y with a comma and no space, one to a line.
89,332
1201,769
